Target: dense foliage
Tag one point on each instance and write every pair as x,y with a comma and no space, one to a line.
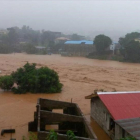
128,37
6,82
131,52
130,48
31,79
14,37
101,43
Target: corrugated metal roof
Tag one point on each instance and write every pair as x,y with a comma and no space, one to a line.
132,126
122,105
79,42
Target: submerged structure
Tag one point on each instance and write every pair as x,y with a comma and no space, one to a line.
118,113
71,118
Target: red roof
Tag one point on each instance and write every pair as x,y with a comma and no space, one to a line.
122,106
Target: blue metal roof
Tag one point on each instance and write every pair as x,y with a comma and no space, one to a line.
79,42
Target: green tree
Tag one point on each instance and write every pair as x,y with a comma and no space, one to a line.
101,43
131,51
6,82
31,79
128,37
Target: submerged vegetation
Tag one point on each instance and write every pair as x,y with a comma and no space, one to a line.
6,82
32,79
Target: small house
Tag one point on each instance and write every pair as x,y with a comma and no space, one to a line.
118,113
78,48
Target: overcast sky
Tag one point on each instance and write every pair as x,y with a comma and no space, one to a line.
87,17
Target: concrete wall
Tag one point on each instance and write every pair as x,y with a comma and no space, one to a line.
101,115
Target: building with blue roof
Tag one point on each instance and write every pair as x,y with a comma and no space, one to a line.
79,42
78,47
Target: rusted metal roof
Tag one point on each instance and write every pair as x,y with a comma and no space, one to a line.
131,126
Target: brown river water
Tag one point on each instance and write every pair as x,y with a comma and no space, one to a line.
80,77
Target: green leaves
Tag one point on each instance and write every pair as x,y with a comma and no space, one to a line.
31,79
6,82
102,42
132,51
52,135
70,135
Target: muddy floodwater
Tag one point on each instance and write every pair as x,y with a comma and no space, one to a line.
80,77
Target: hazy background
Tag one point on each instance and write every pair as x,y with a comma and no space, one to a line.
113,18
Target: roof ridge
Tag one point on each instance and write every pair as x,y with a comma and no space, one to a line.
120,92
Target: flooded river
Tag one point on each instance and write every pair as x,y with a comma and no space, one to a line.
80,77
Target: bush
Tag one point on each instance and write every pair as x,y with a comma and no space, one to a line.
6,82
31,79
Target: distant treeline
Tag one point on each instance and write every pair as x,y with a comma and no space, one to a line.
129,48
25,39
31,41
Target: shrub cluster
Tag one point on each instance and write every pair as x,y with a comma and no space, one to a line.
31,79
6,82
